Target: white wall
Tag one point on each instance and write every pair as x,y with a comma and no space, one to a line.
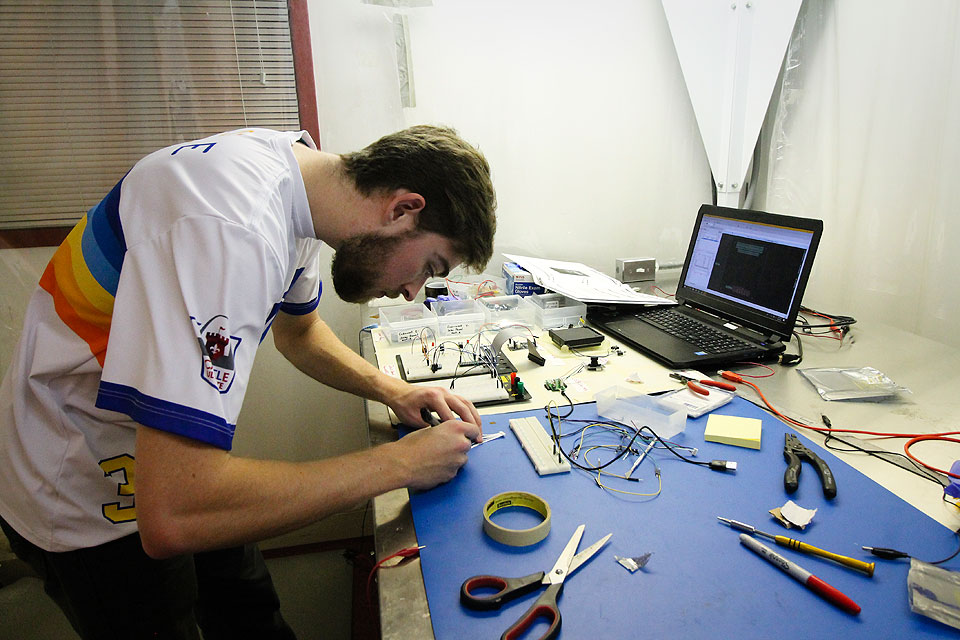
579,107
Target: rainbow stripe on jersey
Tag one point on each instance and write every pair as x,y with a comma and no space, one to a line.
83,274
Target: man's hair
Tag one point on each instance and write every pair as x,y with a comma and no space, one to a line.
451,175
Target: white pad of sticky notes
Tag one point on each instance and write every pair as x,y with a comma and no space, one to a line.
735,430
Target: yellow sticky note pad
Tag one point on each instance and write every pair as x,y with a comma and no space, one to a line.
740,432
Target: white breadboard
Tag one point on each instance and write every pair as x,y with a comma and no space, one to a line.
544,455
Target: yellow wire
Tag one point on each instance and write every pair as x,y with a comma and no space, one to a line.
550,416
614,475
633,493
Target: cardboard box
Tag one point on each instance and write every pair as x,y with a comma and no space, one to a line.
519,280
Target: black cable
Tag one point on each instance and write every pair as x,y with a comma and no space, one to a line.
915,468
833,316
842,323
793,359
563,393
556,440
715,465
894,554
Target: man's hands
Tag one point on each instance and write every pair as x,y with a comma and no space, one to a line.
409,400
433,456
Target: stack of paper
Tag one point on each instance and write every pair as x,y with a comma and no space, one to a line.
583,283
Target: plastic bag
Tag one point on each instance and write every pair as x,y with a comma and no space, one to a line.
864,383
934,592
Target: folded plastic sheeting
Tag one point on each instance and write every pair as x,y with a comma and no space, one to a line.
934,592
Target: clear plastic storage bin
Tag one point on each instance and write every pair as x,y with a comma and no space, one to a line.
467,287
637,409
505,310
555,310
458,317
407,322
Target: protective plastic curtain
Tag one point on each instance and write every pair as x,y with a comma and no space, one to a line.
867,137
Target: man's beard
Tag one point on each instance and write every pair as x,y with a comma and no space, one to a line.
358,264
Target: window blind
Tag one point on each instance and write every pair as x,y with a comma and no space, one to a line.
87,88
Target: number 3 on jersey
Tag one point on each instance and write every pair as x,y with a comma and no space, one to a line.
122,469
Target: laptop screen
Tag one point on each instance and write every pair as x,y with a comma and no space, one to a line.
750,264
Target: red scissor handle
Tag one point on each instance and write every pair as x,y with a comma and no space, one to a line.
544,607
506,590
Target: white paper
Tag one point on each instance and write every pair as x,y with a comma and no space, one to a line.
796,514
583,283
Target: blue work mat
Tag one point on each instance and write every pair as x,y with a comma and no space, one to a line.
700,582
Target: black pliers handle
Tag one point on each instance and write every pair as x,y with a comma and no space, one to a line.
794,453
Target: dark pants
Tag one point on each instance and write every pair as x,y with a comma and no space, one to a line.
116,590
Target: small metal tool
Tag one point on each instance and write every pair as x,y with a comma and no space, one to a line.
803,547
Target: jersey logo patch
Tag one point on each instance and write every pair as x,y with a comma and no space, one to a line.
218,350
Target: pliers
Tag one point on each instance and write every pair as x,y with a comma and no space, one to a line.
794,453
694,385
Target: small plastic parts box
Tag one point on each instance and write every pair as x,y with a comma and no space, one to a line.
458,317
505,310
636,409
555,310
408,322
466,287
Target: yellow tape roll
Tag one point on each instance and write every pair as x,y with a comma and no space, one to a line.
516,537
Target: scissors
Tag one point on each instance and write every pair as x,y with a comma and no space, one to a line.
509,588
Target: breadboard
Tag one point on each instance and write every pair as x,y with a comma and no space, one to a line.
538,446
476,389
450,363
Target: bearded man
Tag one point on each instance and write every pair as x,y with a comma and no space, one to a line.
118,411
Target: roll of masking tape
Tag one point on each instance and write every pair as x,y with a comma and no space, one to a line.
516,537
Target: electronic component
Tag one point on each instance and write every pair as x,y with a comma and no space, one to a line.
449,363
533,355
636,269
539,447
576,337
555,384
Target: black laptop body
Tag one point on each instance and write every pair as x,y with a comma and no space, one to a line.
743,278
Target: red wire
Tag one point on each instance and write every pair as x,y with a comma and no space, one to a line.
833,327
669,295
757,364
820,335
403,553
915,437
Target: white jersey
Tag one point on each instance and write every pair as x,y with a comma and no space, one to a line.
150,313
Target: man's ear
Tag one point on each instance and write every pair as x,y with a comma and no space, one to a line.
403,209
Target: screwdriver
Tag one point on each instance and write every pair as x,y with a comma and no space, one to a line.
803,547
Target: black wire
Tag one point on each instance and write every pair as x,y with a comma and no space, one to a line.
877,454
895,554
569,413
791,359
670,449
916,469
556,440
952,555
836,316
836,320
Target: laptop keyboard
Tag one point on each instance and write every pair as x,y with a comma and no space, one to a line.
693,331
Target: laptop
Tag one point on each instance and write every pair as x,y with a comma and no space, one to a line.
738,296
